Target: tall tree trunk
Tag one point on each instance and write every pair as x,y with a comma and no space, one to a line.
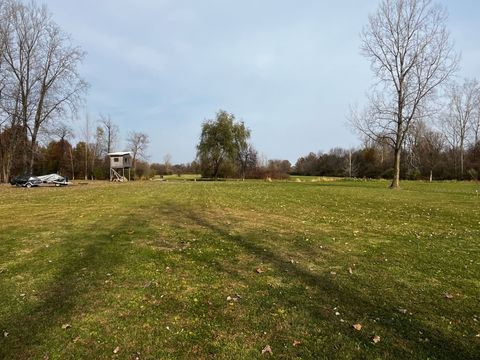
396,169
25,149
93,157
31,159
461,161
350,163
398,139
86,161
71,162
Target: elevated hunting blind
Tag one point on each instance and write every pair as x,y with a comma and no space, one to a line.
119,162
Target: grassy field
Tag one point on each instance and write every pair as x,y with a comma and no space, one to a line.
172,270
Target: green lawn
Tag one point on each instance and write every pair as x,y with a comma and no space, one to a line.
169,270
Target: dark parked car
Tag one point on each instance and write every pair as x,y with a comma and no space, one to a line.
26,181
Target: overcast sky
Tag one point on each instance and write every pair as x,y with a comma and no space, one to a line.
288,69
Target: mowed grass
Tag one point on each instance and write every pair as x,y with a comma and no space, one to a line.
198,270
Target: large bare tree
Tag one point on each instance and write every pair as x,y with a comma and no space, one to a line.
42,65
411,54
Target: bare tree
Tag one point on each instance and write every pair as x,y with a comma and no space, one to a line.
476,118
246,157
430,148
246,153
476,123
87,137
410,52
111,132
167,161
350,166
460,118
97,149
64,132
42,62
137,143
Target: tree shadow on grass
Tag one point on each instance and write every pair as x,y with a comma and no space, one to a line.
327,291
30,327
97,254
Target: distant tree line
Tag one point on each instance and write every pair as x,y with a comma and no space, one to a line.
173,169
87,159
427,154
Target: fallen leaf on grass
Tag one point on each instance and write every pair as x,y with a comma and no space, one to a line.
448,296
235,298
66,326
357,327
376,339
5,334
259,270
267,350
350,271
116,350
76,339
296,342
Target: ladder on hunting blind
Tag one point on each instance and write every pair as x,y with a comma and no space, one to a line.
115,176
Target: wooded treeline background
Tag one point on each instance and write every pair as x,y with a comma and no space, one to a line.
41,91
